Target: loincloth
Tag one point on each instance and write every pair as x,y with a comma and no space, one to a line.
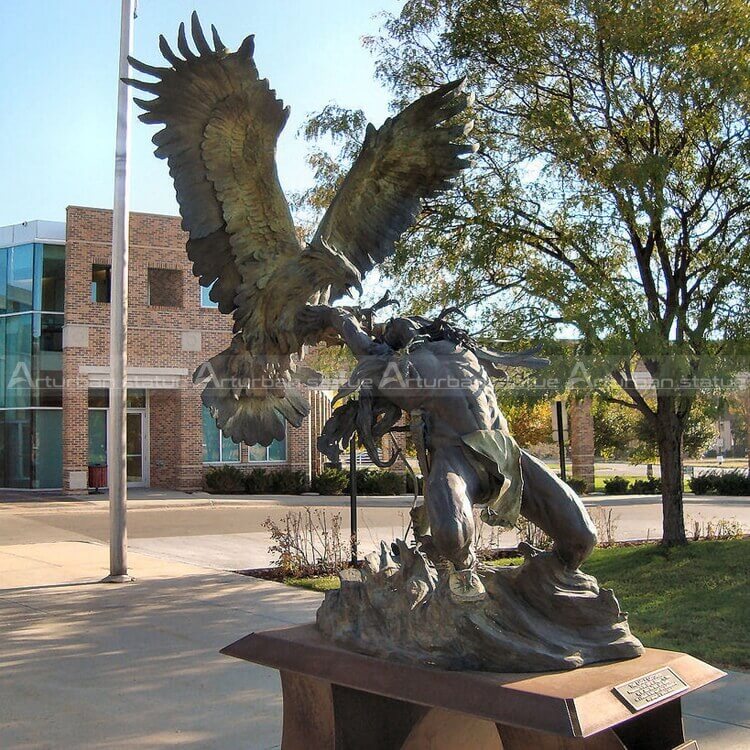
500,456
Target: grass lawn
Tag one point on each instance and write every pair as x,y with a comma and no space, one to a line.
694,598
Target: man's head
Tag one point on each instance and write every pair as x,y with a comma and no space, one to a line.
399,333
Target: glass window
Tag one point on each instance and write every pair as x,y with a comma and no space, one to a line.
164,287
97,437
20,283
47,351
3,280
52,287
206,300
230,451
18,377
101,283
3,358
211,441
99,398
15,448
257,453
217,448
136,398
274,452
277,450
47,462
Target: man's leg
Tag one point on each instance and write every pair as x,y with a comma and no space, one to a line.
451,483
553,506
449,509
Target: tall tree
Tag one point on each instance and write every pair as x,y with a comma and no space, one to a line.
611,192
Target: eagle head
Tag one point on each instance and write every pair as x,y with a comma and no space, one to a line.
342,271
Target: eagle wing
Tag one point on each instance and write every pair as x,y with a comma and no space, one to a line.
412,156
221,123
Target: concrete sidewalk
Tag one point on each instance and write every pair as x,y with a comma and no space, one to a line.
138,665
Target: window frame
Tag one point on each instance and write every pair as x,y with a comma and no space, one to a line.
221,437
107,268
211,304
270,461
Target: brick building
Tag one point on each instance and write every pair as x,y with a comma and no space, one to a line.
54,359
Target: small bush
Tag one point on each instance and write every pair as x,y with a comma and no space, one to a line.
258,482
279,481
225,480
577,485
727,483
714,528
733,483
307,542
650,486
531,534
616,486
371,482
331,481
288,482
703,484
606,523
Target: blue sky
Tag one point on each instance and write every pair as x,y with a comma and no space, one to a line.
58,96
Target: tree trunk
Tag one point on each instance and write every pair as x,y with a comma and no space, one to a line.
669,430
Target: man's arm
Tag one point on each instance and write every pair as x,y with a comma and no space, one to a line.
350,329
344,324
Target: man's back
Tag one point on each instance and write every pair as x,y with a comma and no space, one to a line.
447,382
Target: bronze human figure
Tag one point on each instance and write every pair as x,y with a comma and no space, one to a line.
438,375
428,601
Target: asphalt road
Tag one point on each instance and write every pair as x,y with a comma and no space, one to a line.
229,534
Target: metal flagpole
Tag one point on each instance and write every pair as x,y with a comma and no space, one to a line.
118,326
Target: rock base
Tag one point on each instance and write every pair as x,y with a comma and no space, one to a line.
537,617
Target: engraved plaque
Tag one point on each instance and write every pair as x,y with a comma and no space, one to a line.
650,688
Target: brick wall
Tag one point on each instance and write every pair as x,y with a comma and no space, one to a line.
581,427
159,337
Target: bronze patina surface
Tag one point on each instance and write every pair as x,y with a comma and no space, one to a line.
429,601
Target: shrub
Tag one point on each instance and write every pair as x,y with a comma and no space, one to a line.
650,486
606,523
288,482
225,480
727,483
577,485
703,484
281,481
616,486
331,481
258,482
307,543
531,534
733,483
370,482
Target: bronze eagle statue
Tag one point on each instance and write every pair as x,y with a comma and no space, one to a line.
221,122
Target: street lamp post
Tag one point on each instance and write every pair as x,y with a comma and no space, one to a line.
353,497
118,342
